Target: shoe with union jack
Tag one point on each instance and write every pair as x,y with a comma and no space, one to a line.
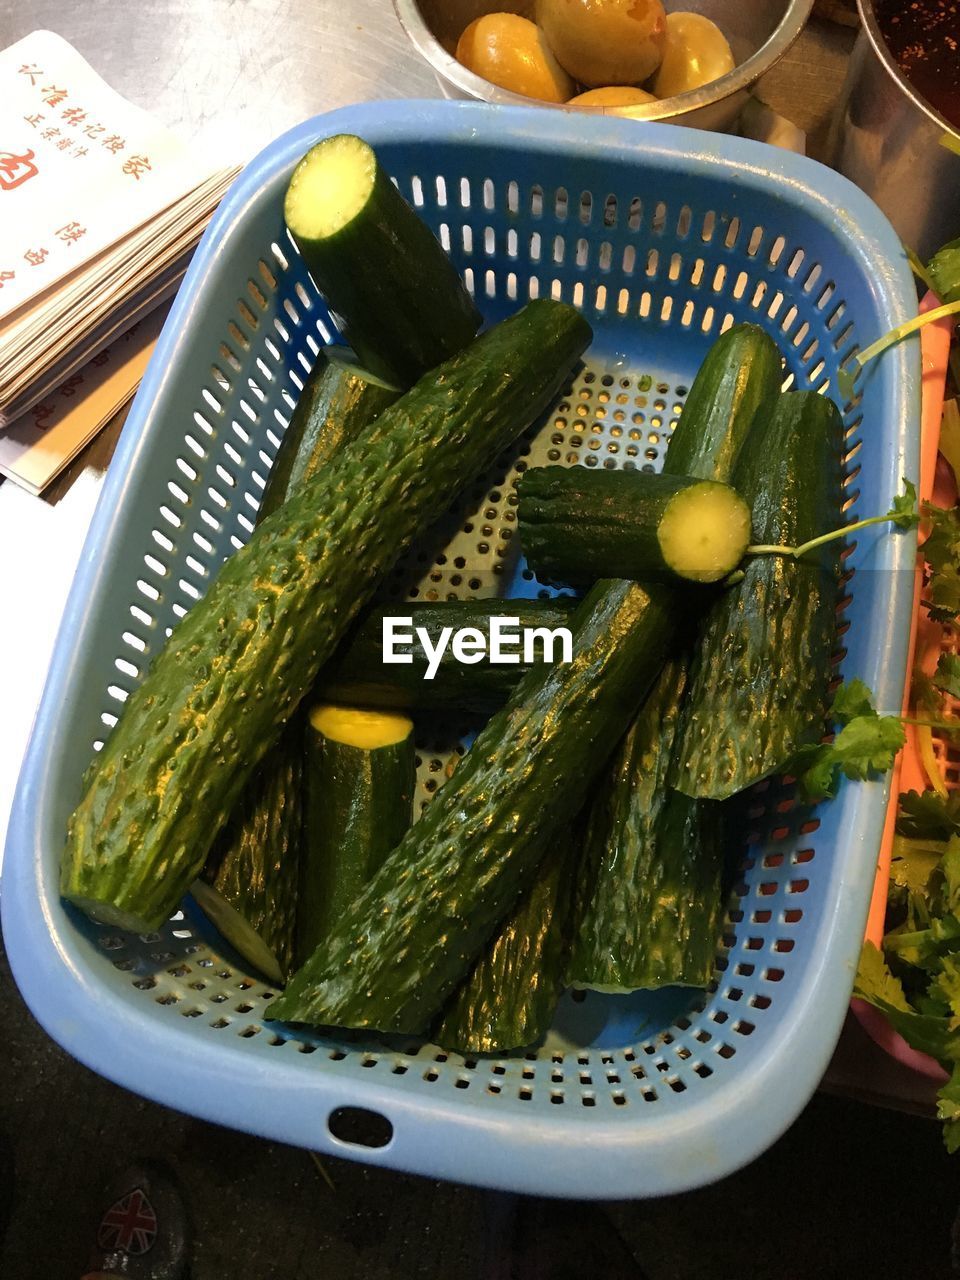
143,1231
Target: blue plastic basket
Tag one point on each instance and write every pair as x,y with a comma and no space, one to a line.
663,236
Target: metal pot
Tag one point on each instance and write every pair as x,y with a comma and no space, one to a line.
759,32
886,138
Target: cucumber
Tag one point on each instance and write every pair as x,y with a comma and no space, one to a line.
737,383
249,885
359,676
360,778
578,525
416,930
739,380
399,301
509,997
648,908
759,682
238,664
336,403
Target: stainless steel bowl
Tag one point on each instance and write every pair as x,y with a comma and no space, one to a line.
886,138
759,31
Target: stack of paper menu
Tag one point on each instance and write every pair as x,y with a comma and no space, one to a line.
100,209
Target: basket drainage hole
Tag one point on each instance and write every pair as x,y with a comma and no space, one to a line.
360,1127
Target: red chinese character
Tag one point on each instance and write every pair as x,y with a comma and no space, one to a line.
36,256
113,143
5,276
91,130
69,387
135,165
33,72
81,151
53,96
51,131
65,144
34,120
70,232
41,412
15,169
74,115
100,359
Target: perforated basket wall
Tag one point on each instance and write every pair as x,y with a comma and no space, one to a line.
664,237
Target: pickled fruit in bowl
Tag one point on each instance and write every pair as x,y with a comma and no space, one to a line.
511,52
696,52
613,95
605,42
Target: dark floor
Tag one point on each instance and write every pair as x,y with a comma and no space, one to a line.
849,1192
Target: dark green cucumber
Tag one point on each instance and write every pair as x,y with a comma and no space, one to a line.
360,778
416,930
359,677
739,379
509,997
737,383
336,403
578,525
759,683
238,664
649,888
400,303
249,886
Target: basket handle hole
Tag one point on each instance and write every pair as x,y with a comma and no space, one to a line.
360,1127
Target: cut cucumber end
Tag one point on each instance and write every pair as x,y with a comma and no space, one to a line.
704,532
329,187
359,728
238,932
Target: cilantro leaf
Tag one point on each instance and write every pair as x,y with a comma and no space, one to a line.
905,512
926,815
942,554
877,985
951,874
948,1110
913,864
874,981
946,987
852,699
947,675
944,269
866,745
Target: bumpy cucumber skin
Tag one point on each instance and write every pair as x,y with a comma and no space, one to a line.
255,862
625,939
359,805
245,655
577,525
509,997
401,305
332,409
759,685
359,677
418,927
739,380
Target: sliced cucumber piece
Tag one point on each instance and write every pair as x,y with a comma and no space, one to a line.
399,300
578,525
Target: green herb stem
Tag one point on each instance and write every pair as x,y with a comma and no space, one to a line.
771,549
